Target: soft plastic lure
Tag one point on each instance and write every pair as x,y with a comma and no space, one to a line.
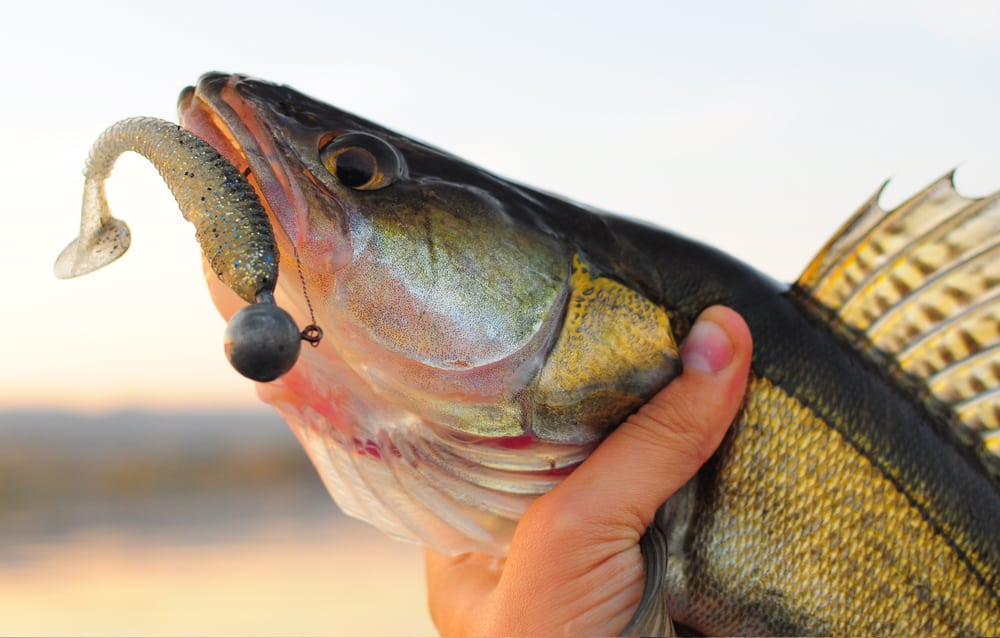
262,340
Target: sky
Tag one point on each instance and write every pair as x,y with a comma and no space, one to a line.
757,127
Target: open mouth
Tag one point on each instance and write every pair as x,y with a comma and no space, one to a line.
216,113
244,120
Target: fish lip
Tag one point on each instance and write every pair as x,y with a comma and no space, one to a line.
202,111
219,111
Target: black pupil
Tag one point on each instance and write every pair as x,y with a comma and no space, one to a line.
355,167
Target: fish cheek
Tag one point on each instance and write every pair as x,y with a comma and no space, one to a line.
446,280
615,350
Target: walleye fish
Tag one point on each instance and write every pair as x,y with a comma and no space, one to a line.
482,337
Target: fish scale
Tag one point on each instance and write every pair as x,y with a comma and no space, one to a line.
848,539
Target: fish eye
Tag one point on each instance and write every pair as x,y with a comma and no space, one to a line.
361,161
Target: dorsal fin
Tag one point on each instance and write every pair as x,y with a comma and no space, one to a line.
922,284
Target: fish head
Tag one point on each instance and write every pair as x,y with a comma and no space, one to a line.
442,295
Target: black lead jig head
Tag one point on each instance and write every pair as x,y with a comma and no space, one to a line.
262,341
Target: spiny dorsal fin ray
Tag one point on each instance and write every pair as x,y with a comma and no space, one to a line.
922,283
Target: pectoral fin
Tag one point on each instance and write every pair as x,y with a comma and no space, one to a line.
651,617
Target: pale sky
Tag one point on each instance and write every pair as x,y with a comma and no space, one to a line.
758,127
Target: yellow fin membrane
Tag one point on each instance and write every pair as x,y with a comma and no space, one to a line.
922,284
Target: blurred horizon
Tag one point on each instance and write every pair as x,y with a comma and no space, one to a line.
142,522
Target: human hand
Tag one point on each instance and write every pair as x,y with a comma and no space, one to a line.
574,566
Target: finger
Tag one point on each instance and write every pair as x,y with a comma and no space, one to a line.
675,432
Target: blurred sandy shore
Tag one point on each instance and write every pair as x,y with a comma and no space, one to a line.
281,580
186,523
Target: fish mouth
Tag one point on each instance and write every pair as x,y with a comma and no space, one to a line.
235,115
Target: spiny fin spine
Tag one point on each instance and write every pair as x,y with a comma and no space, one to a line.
922,284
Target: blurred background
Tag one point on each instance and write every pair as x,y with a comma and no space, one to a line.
144,490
